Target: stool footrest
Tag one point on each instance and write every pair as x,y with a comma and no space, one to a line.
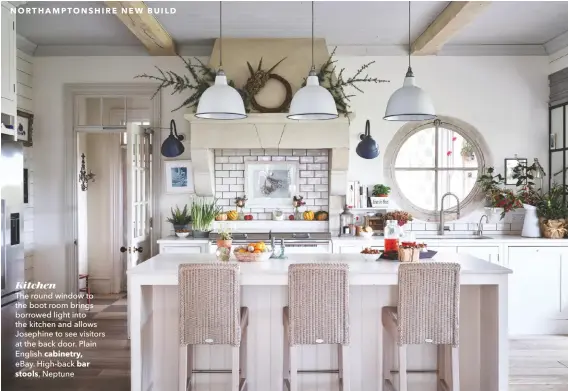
416,371
318,370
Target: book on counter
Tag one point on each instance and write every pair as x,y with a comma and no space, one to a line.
357,195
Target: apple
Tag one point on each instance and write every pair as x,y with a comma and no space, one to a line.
291,217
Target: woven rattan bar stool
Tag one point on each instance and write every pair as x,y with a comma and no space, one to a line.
210,314
427,313
317,313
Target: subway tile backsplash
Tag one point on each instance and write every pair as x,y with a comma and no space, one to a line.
313,165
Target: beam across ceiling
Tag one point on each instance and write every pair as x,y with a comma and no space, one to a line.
145,27
452,19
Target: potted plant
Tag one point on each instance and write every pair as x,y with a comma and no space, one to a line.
498,201
203,214
381,191
530,198
467,152
180,218
552,212
225,239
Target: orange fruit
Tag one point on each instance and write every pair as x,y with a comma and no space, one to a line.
257,251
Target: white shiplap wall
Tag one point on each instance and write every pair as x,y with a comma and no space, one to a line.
24,79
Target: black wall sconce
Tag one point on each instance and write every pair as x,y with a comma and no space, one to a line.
84,178
367,147
172,146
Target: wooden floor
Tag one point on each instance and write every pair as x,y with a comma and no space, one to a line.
537,363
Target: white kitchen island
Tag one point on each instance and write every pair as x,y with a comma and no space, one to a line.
152,289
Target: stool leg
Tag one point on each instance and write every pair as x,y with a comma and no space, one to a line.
293,359
286,358
388,351
182,368
235,375
243,356
441,375
344,368
189,367
402,378
455,353
88,290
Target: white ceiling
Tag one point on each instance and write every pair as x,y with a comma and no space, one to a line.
374,24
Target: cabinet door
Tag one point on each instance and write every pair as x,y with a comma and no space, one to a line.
181,250
8,54
535,292
489,254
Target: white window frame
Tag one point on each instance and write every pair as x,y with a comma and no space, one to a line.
469,133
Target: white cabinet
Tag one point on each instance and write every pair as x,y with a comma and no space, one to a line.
538,290
8,57
487,253
186,248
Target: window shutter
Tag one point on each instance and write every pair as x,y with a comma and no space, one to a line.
558,83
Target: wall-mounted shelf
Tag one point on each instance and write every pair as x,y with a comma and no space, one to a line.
10,132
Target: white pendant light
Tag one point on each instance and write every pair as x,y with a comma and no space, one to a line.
410,102
221,101
312,102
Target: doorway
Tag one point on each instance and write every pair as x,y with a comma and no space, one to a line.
114,196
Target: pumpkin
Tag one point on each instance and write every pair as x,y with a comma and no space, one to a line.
322,215
308,215
221,217
232,215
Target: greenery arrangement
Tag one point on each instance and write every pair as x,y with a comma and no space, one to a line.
202,77
203,213
336,83
225,234
179,216
496,196
467,150
551,205
528,194
381,190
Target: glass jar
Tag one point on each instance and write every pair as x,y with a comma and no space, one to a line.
392,235
346,226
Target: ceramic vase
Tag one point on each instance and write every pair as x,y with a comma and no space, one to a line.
531,227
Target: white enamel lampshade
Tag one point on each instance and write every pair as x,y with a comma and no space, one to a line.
221,101
409,103
312,102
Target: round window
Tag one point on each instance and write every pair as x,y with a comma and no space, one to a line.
424,161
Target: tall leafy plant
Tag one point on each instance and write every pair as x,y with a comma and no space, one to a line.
179,216
203,213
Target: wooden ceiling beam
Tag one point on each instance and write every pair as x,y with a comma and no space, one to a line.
145,27
451,20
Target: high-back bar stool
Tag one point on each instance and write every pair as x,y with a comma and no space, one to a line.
427,313
317,313
210,314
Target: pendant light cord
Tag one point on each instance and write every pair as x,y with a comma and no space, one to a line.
313,66
220,35
409,49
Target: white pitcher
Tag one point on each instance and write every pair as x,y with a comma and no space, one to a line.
531,228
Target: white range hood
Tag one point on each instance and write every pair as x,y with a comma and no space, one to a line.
268,131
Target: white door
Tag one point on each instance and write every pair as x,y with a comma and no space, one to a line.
138,190
138,199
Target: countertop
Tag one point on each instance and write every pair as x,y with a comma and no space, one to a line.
163,269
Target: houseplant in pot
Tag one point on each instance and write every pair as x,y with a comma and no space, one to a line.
381,191
225,239
552,212
180,219
530,197
203,213
498,201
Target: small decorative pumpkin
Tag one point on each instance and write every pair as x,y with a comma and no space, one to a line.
308,215
221,217
322,215
232,215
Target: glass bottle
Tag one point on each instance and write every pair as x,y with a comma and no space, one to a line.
392,235
346,222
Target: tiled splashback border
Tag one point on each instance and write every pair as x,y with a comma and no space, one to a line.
506,228
313,181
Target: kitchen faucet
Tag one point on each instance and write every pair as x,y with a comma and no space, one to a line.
479,231
441,228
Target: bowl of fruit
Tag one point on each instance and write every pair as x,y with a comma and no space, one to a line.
182,233
253,252
370,254
367,232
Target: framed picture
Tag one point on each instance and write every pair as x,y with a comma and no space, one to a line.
510,165
270,184
25,128
179,176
